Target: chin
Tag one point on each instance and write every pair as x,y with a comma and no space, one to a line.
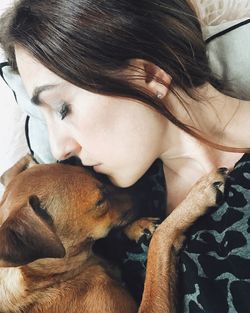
124,182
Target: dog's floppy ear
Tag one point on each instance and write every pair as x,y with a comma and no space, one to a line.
27,235
24,163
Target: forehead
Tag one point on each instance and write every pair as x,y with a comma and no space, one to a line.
32,72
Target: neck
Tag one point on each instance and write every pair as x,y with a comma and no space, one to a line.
220,119
216,116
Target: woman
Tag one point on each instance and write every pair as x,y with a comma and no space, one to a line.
121,84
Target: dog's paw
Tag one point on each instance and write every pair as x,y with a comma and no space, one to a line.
209,190
219,185
142,228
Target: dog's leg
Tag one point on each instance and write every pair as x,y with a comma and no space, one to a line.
160,283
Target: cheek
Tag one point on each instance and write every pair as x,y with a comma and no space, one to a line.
120,133
92,132
102,126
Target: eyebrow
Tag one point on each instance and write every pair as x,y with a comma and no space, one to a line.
37,92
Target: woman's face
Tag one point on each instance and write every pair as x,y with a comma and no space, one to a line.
121,137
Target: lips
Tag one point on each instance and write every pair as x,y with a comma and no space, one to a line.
97,167
93,165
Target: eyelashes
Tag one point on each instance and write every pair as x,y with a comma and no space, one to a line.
64,110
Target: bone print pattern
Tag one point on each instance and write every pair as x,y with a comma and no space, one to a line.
215,262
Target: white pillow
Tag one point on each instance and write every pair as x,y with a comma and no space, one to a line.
12,121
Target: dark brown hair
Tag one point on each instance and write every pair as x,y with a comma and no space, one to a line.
90,42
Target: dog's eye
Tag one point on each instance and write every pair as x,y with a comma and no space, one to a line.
101,201
101,207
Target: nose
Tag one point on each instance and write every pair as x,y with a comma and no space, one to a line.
62,144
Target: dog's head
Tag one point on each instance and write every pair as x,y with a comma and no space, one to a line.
49,210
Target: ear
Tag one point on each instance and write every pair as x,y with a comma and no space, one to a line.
155,79
24,163
27,235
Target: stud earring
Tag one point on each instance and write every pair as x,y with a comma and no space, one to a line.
159,95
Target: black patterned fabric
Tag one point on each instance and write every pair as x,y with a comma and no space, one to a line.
215,262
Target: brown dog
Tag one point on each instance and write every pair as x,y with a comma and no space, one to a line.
50,215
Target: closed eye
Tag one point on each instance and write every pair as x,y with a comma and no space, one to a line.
101,206
64,110
101,201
